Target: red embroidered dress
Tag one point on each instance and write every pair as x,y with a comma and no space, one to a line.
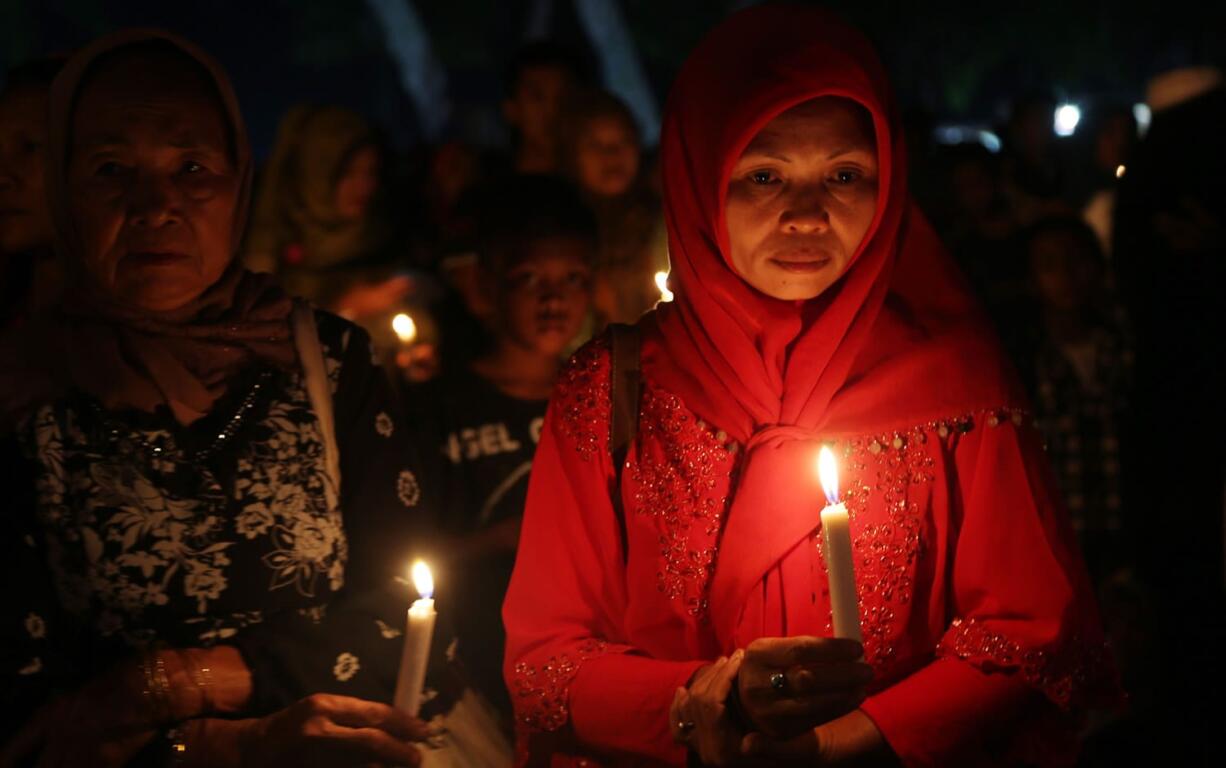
975,608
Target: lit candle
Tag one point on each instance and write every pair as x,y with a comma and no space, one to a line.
418,633
836,545
405,328
662,284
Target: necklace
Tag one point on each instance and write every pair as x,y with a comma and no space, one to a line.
118,432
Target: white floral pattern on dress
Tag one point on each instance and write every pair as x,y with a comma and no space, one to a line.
35,626
33,668
407,488
347,665
387,632
384,425
148,528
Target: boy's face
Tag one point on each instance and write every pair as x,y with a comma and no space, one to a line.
543,297
1064,274
607,157
535,105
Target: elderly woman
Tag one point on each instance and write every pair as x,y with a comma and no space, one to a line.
670,594
216,485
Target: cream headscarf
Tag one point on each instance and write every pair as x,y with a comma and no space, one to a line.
132,358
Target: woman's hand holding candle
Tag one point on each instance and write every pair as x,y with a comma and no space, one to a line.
822,679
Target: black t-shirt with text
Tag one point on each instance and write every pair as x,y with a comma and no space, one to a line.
478,444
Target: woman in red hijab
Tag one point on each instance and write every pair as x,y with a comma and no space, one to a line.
682,602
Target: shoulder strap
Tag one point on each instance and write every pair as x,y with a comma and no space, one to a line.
624,389
315,371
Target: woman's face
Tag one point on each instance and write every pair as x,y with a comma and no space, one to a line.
151,181
607,157
801,198
25,221
357,185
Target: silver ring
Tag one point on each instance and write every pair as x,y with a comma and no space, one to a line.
778,681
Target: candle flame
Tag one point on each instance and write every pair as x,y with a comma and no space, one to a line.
662,284
404,327
422,579
1120,170
828,471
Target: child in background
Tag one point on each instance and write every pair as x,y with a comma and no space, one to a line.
540,81
479,422
29,273
1078,362
604,157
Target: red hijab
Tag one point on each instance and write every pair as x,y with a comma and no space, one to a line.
897,341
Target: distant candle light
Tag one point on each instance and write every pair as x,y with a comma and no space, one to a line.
1120,171
662,284
405,328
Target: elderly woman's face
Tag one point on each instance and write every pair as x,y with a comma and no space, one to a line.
152,182
801,198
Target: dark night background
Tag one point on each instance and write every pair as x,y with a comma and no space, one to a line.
960,61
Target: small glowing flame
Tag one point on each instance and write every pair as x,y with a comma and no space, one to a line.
828,471
1120,170
662,284
422,580
404,327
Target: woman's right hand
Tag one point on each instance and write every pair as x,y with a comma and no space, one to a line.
822,678
699,714
324,730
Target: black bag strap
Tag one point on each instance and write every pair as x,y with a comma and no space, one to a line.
625,386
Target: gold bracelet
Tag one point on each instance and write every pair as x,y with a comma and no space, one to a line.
157,687
202,676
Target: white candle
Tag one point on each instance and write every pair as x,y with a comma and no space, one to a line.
419,631
836,545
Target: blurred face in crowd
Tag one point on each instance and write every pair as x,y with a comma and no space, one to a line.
152,182
357,184
1114,141
802,197
974,187
543,295
25,220
1031,131
1064,272
607,156
536,103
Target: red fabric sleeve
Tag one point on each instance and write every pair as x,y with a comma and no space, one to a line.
568,668
1022,619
